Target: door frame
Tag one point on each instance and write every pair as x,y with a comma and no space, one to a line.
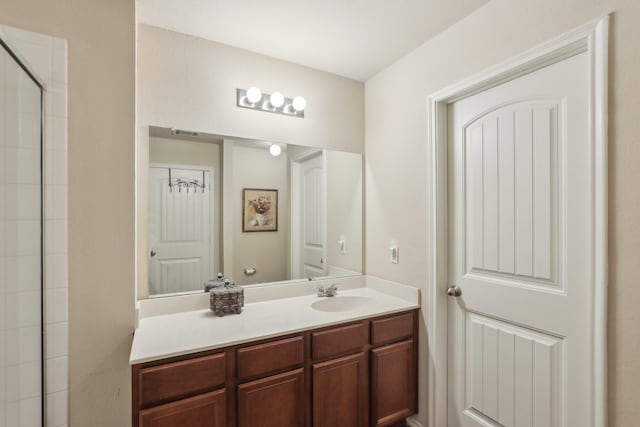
593,39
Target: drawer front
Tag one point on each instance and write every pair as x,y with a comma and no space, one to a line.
339,341
392,329
272,357
205,410
180,379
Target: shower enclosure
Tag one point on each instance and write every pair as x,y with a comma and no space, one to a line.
21,243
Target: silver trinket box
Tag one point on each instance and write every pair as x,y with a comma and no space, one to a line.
225,296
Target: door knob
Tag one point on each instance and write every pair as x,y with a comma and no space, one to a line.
153,253
454,291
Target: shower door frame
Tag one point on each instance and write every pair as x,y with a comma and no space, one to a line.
22,65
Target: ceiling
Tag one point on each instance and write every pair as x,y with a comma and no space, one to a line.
351,38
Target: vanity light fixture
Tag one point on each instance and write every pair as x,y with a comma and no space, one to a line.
254,99
275,150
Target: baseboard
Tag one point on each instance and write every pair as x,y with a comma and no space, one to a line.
413,422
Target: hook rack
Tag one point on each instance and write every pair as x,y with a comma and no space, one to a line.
181,183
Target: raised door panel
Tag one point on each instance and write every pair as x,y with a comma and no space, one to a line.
513,192
206,410
393,389
276,401
341,392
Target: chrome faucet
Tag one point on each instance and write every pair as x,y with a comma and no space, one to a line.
331,291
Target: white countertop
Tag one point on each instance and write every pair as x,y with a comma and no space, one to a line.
168,335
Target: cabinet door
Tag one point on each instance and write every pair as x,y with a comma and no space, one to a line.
341,392
205,410
276,401
394,383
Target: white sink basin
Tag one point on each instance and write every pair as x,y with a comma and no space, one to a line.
341,303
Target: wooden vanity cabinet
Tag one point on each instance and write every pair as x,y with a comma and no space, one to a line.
359,374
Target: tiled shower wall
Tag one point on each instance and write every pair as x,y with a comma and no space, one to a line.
46,57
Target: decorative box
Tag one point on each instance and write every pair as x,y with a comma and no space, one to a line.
226,297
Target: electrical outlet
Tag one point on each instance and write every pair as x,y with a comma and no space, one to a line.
394,254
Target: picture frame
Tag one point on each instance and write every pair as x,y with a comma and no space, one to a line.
259,210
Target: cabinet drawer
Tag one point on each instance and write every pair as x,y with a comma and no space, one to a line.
272,357
339,341
392,329
180,379
205,410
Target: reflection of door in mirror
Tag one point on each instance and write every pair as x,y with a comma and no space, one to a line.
308,204
179,221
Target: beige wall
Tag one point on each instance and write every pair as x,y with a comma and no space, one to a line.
100,36
344,211
266,251
190,83
192,153
396,151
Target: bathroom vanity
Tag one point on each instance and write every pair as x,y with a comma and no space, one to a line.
349,360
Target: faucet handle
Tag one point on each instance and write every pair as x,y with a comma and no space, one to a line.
321,291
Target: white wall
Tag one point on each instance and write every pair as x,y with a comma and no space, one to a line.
344,211
396,152
266,251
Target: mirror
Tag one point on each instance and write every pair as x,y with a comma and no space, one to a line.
256,211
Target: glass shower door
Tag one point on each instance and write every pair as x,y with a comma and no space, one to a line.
21,339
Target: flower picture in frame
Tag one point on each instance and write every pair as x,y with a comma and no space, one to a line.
259,210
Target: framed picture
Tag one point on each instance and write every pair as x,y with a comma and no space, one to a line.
259,210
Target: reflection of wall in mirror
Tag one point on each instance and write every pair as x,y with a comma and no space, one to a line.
344,212
267,252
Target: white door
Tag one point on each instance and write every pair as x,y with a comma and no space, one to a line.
179,230
312,218
521,247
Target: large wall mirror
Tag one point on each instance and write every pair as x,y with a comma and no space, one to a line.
256,211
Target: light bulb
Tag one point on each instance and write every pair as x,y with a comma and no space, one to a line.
276,99
299,103
275,150
254,95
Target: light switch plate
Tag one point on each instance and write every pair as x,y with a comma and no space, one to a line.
342,245
394,254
